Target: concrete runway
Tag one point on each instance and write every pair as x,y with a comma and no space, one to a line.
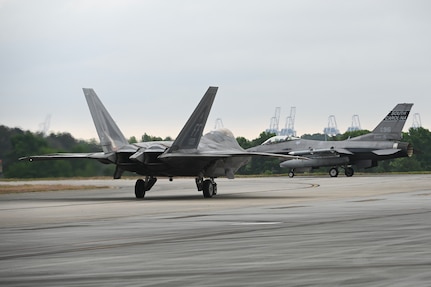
359,231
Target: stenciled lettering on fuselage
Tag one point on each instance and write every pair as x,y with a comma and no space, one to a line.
397,116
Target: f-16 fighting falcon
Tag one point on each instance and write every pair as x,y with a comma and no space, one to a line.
213,155
362,151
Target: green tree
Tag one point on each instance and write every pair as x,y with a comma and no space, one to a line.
243,142
318,137
133,140
5,143
148,138
420,139
25,144
259,165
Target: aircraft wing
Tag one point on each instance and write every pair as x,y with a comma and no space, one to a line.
219,155
280,156
53,156
321,152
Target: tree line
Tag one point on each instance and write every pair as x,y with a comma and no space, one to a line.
16,143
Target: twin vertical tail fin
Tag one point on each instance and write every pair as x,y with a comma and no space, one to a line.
111,138
390,128
190,135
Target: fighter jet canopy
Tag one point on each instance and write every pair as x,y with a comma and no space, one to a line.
278,139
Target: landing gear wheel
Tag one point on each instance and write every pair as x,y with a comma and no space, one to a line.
143,186
348,171
333,172
209,188
140,188
214,188
291,174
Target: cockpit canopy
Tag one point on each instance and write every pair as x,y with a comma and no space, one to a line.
279,139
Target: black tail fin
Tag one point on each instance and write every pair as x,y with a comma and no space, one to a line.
191,134
391,126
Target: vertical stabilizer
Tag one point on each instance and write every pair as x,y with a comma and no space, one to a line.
111,138
391,126
191,134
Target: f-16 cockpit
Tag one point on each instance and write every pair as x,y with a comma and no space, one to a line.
279,139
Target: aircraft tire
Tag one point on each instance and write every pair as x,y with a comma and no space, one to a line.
214,188
291,174
208,189
348,171
140,188
333,172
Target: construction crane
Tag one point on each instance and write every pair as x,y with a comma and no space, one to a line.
273,126
218,124
332,129
356,125
417,123
289,128
44,127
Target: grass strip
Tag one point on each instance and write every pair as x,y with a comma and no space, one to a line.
4,189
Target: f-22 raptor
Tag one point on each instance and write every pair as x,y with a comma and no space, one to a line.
362,151
213,155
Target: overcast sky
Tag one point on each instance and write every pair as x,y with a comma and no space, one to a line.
150,62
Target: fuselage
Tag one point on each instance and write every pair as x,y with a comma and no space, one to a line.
336,153
211,158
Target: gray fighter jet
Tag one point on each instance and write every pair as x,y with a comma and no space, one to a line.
213,155
362,151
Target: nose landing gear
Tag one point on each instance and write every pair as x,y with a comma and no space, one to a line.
333,172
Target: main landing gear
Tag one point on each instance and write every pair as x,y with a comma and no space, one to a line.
208,187
348,171
142,186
